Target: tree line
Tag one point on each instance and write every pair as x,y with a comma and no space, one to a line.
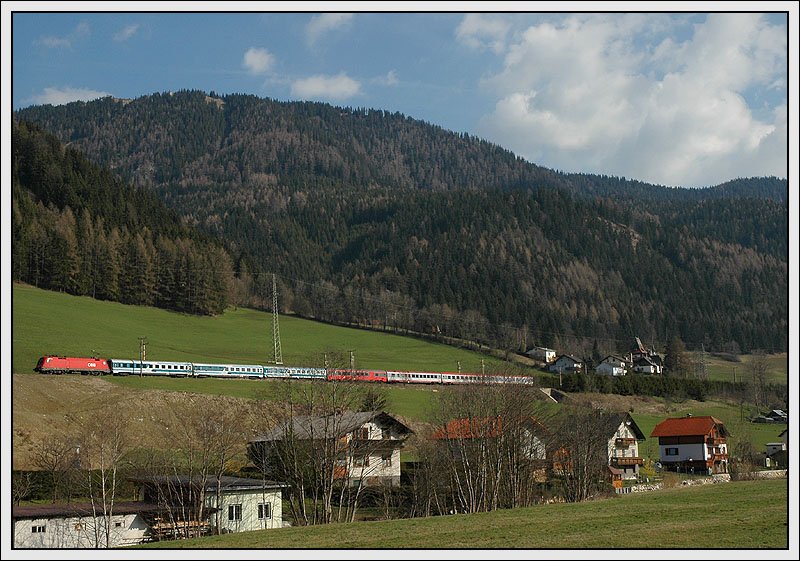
79,230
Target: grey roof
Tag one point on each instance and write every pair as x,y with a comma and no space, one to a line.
69,510
572,358
329,426
227,483
612,421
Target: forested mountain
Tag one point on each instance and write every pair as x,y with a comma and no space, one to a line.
374,217
79,229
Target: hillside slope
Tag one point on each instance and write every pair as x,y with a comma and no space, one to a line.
374,217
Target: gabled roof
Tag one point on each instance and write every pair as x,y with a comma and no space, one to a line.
79,509
613,358
610,422
689,426
330,426
227,483
570,357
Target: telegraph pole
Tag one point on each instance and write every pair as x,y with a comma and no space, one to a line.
277,356
142,352
458,363
352,361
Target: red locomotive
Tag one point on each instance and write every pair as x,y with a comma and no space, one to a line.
72,365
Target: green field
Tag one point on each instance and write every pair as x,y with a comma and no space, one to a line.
739,515
721,369
47,322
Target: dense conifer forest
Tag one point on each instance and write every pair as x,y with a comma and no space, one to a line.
374,218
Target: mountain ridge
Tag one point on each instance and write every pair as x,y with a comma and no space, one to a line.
353,207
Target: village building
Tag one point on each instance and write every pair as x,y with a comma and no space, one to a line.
193,506
80,525
612,366
647,365
367,444
693,444
566,364
624,436
542,353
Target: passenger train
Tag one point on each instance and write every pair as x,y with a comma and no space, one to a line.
129,367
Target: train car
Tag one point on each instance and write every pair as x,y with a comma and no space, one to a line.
295,372
72,365
415,377
130,367
208,370
357,375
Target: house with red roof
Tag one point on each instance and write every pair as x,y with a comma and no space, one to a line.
693,444
530,432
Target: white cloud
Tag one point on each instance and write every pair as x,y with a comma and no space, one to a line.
126,32
481,31
614,94
337,87
390,79
258,61
61,96
81,30
321,24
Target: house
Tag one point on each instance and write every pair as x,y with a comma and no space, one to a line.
566,364
79,525
776,456
542,353
193,506
366,445
778,416
612,366
693,444
623,436
647,365
531,431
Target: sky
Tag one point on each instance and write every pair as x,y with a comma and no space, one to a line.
689,99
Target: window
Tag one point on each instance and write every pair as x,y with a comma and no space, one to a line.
235,512
39,529
361,434
264,511
386,434
118,524
362,461
670,451
386,459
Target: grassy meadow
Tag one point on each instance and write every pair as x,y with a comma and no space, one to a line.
738,515
46,322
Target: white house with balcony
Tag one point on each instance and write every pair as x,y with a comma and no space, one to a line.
365,446
624,436
693,444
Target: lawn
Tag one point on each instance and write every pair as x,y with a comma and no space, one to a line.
739,515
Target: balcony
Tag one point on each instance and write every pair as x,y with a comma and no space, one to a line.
717,441
627,461
624,442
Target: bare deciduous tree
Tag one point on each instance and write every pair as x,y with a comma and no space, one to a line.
581,457
56,456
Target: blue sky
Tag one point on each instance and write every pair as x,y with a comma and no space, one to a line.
675,99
